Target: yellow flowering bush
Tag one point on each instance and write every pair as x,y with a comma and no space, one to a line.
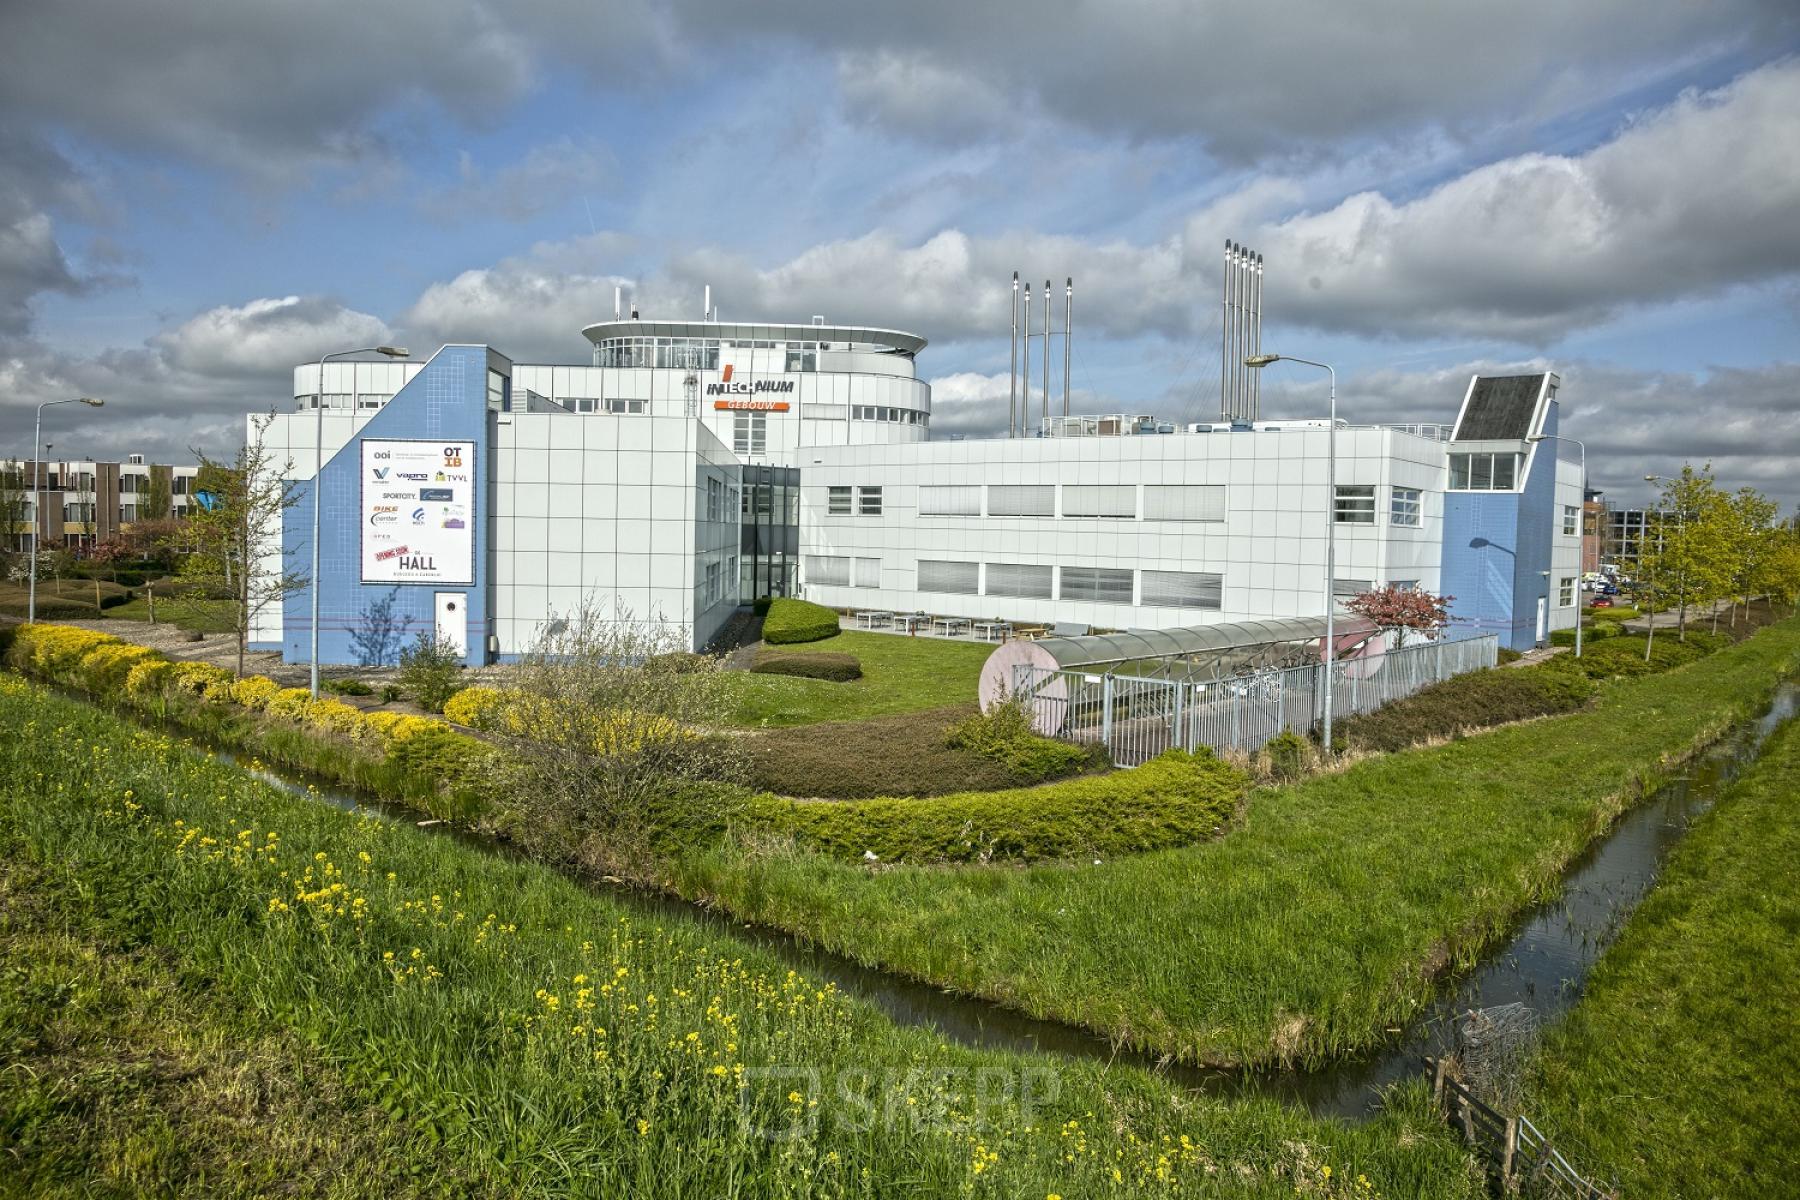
148,678
105,668
288,702
482,707
55,650
198,678
333,716
392,728
254,692
623,732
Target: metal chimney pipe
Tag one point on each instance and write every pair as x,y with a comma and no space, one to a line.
706,311
618,301
1241,403
1025,373
1046,351
1256,342
1224,333
1068,333
1012,381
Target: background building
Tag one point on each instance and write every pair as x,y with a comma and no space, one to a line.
78,503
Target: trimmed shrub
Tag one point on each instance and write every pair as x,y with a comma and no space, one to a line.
1004,734
760,605
151,677
1287,755
1175,799
201,679
333,716
1472,701
55,651
899,755
818,664
438,753
392,728
1623,656
105,668
792,621
480,707
289,703
107,602
1589,634
347,687
1622,612
254,692
56,608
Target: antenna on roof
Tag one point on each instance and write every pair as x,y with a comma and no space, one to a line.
618,301
707,309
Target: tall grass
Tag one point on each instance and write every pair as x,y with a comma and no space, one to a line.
1675,1072
531,1038
1322,920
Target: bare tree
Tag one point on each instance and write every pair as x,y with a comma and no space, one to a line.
236,539
609,725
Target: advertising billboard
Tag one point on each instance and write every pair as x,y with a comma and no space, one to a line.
418,511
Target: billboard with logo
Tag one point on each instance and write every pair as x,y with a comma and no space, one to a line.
418,511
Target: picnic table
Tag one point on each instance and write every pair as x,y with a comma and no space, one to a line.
993,631
950,626
875,620
910,622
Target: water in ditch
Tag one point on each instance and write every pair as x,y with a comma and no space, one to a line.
1543,964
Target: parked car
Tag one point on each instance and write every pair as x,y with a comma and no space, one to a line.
1601,602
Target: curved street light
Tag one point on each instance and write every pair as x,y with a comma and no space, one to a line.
37,471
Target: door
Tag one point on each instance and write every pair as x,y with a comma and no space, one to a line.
453,620
1543,626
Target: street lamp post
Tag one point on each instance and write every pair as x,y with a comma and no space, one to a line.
1643,537
1552,437
37,468
1328,658
312,582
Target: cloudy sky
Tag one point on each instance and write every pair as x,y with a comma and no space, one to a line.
195,196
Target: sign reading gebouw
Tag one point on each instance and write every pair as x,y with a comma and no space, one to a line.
418,511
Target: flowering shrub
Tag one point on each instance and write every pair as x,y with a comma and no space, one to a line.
149,678
54,651
482,707
254,692
392,728
333,716
198,678
289,702
105,668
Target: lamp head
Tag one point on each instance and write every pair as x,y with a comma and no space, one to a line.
393,351
1261,360
93,403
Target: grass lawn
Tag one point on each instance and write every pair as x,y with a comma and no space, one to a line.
1306,931
522,1036
1676,1071
198,616
900,674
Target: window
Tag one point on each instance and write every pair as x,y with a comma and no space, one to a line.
802,360
712,584
868,502
750,433
1355,504
1571,521
1184,589
128,513
1102,584
1404,585
1100,500
957,578
715,500
1021,500
1344,589
1018,579
955,500
823,412
1565,591
867,573
1184,502
1483,472
499,392
828,570
1403,509
623,407
837,501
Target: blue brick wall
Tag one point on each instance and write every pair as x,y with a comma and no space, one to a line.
369,624
1537,517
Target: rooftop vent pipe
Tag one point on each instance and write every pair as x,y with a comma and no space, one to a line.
1240,334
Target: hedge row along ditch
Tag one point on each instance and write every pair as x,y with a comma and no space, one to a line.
798,621
1176,799
417,759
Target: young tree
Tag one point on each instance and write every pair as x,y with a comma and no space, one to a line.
1753,534
156,505
1397,610
236,550
1690,560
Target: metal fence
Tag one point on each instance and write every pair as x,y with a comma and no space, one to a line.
1136,717
1516,1150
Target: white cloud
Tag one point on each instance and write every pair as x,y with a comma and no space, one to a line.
254,339
532,307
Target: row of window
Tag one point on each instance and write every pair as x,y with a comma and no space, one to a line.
718,581
1032,581
750,433
692,354
1354,504
617,407
1161,502
893,416
722,501
1484,472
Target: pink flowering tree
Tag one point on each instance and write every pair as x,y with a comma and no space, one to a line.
1402,609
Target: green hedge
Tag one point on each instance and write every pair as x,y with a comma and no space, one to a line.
798,621
1173,800
1472,701
1624,655
817,664
1589,634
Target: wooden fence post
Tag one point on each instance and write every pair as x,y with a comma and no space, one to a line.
1437,1083
1509,1150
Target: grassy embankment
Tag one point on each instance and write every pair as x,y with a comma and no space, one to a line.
900,675
1317,923
522,1036
1676,1071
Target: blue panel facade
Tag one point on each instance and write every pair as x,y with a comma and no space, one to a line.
369,624
1537,517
